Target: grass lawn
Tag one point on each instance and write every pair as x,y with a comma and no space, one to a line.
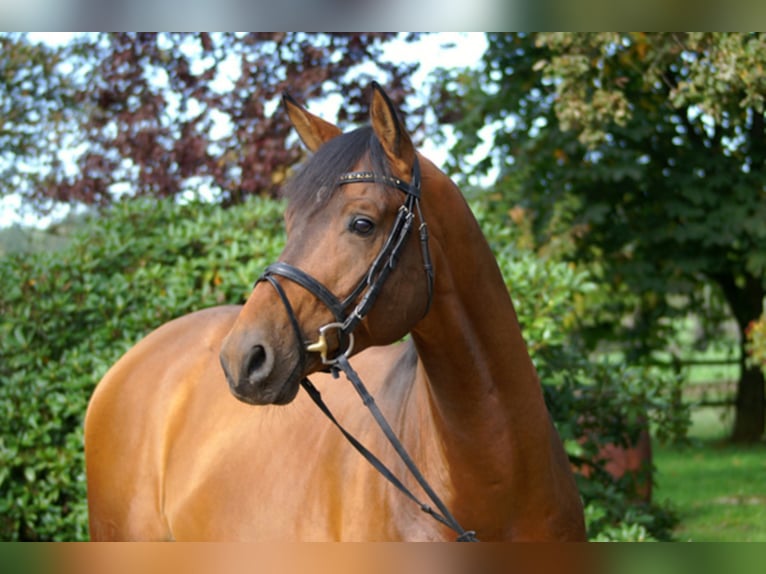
717,489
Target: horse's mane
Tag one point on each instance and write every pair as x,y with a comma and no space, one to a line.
315,182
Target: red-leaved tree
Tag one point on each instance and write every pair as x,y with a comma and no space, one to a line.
164,114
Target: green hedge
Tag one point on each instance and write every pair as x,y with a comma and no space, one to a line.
66,316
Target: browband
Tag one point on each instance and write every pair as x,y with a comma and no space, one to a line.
412,188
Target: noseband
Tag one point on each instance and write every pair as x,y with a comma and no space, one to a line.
369,286
366,292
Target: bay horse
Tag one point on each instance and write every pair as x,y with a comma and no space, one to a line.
172,454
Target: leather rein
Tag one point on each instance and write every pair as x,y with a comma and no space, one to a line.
366,292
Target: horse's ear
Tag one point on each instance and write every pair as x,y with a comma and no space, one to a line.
391,131
313,130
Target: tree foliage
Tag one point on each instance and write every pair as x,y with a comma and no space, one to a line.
163,114
645,151
37,106
756,342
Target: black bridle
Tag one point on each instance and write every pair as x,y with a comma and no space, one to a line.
369,286
362,298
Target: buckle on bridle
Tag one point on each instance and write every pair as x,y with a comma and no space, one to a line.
320,345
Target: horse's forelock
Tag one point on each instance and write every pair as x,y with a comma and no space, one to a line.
315,182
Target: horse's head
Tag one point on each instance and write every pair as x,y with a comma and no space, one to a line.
351,208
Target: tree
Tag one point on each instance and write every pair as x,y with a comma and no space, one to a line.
37,109
165,114
647,152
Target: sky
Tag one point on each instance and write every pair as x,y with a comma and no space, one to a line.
458,49
339,15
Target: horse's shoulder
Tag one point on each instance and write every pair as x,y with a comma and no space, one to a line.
166,358
203,328
213,318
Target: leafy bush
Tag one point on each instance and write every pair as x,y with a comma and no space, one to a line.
66,316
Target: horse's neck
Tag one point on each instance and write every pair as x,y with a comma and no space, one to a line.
481,377
486,402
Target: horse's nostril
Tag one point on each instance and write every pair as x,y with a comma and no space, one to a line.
256,360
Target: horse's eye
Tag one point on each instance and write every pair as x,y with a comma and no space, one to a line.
362,226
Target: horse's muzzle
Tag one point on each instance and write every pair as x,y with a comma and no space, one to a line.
253,374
